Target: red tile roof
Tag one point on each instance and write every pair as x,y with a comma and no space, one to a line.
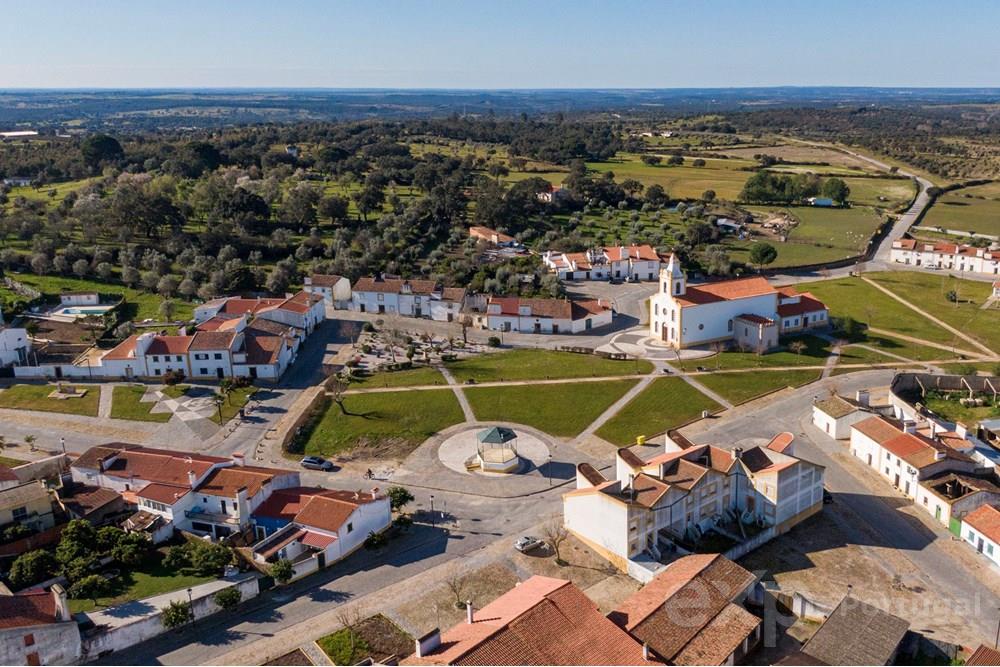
27,609
168,494
781,442
394,285
984,655
543,621
985,519
318,540
169,345
726,290
124,350
877,428
226,482
325,280
756,319
212,340
686,613
638,252
239,306
807,303
324,509
560,309
146,463
478,231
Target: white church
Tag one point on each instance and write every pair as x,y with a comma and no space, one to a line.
749,312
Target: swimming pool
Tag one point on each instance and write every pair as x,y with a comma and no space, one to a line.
96,310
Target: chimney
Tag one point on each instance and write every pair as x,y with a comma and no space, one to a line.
737,453
468,612
961,429
192,478
645,651
934,429
61,605
239,459
425,645
374,492
939,455
862,397
909,426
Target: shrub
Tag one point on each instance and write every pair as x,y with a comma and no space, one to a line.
493,341
176,614
282,571
344,647
208,559
177,557
31,568
89,587
172,377
399,497
228,598
375,541
80,568
131,549
15,532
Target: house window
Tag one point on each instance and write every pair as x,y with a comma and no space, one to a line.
203,371
218,355
156,371
701,327
729,325
180,358
19,513
989,549
925,500
381,297
350,527
156,358
972,535
29,640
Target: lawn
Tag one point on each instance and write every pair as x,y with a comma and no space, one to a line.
125,404
852,354
562,410
36,397
815,354
992,368
928,291
975,209
150,578
376,637
412,377
740,387
237,399
175,390
952,410
665,404
684,181
866,191
853,298
541,365
383,424
138,305
8,462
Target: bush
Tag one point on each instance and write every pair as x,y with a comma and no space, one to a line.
208,559
170,378
177,557
282,571
175,614
228,598
375,541
131,549
399,497
15,532
403,522
493,341
32,568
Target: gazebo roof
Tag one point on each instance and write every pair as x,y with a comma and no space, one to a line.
496,435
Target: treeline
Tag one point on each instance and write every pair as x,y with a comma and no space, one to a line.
766,187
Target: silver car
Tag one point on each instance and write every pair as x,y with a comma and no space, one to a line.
528,543
316,463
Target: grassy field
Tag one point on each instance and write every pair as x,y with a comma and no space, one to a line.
150,578
562,410
237,399
740,387
387,424
541,365
975,209
952,410
36,397
815,354
928,291
409,378
664,404
726,177
867,191
125,404
139,305
8,462
853,298
53,193
799,153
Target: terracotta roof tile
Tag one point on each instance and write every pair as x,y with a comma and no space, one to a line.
212,340
227,481
984,655
168,494
124,350
146,463
807,303
726,290
985,519
394,285
325,280
169,345
27,609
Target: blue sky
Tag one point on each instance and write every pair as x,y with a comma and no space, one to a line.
502,44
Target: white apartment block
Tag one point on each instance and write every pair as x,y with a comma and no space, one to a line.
748,312
408,298
954,257
674,498
638,262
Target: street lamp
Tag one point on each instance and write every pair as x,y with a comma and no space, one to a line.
190,606
548,469
62,443
432,509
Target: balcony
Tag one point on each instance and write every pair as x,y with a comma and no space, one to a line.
198,514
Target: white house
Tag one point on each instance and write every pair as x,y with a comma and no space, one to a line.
949,497
302,310
171,490
14,345
639,262
37,628
903,456
335,290
322,525
835,415
747,312
952,256
493,237
545,315
676,497
981,529
409,298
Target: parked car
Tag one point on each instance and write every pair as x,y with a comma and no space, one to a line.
316,463
528,543
633,279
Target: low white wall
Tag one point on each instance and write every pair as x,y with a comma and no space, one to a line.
147,627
